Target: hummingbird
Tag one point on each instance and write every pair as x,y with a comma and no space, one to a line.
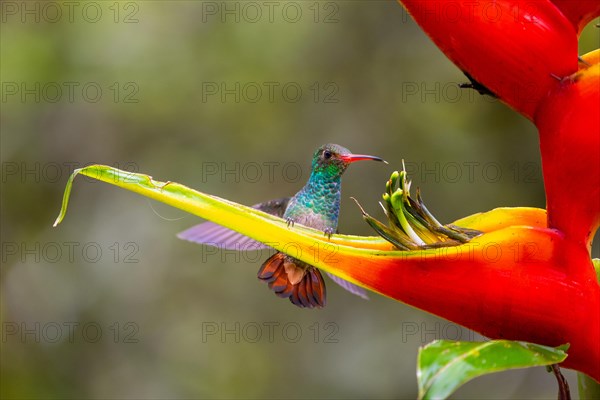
316,205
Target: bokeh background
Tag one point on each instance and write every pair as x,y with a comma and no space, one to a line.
231,98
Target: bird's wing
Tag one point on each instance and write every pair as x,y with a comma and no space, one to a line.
351,287
216,235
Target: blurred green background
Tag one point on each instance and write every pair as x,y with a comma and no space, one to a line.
231,98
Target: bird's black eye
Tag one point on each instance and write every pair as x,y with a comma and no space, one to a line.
327,154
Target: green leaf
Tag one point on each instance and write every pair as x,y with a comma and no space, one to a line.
444,365
589,389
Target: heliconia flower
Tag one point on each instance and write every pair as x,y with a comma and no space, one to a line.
513,281
526,53
522,274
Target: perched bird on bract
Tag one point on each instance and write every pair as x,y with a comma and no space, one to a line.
316,205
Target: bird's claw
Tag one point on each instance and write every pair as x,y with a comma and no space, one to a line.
289,221
328,232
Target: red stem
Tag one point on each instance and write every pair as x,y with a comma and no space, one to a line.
569,125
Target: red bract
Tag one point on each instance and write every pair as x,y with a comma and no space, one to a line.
526,53
518,283
579,12
512,47
569,125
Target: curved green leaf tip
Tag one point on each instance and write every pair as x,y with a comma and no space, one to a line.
444,365
107,174
66,195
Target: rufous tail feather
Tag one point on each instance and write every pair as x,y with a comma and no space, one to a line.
304,287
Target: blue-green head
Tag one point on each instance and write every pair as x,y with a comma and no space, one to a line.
331,160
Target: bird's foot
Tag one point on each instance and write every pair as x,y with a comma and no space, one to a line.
328,232
289,221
